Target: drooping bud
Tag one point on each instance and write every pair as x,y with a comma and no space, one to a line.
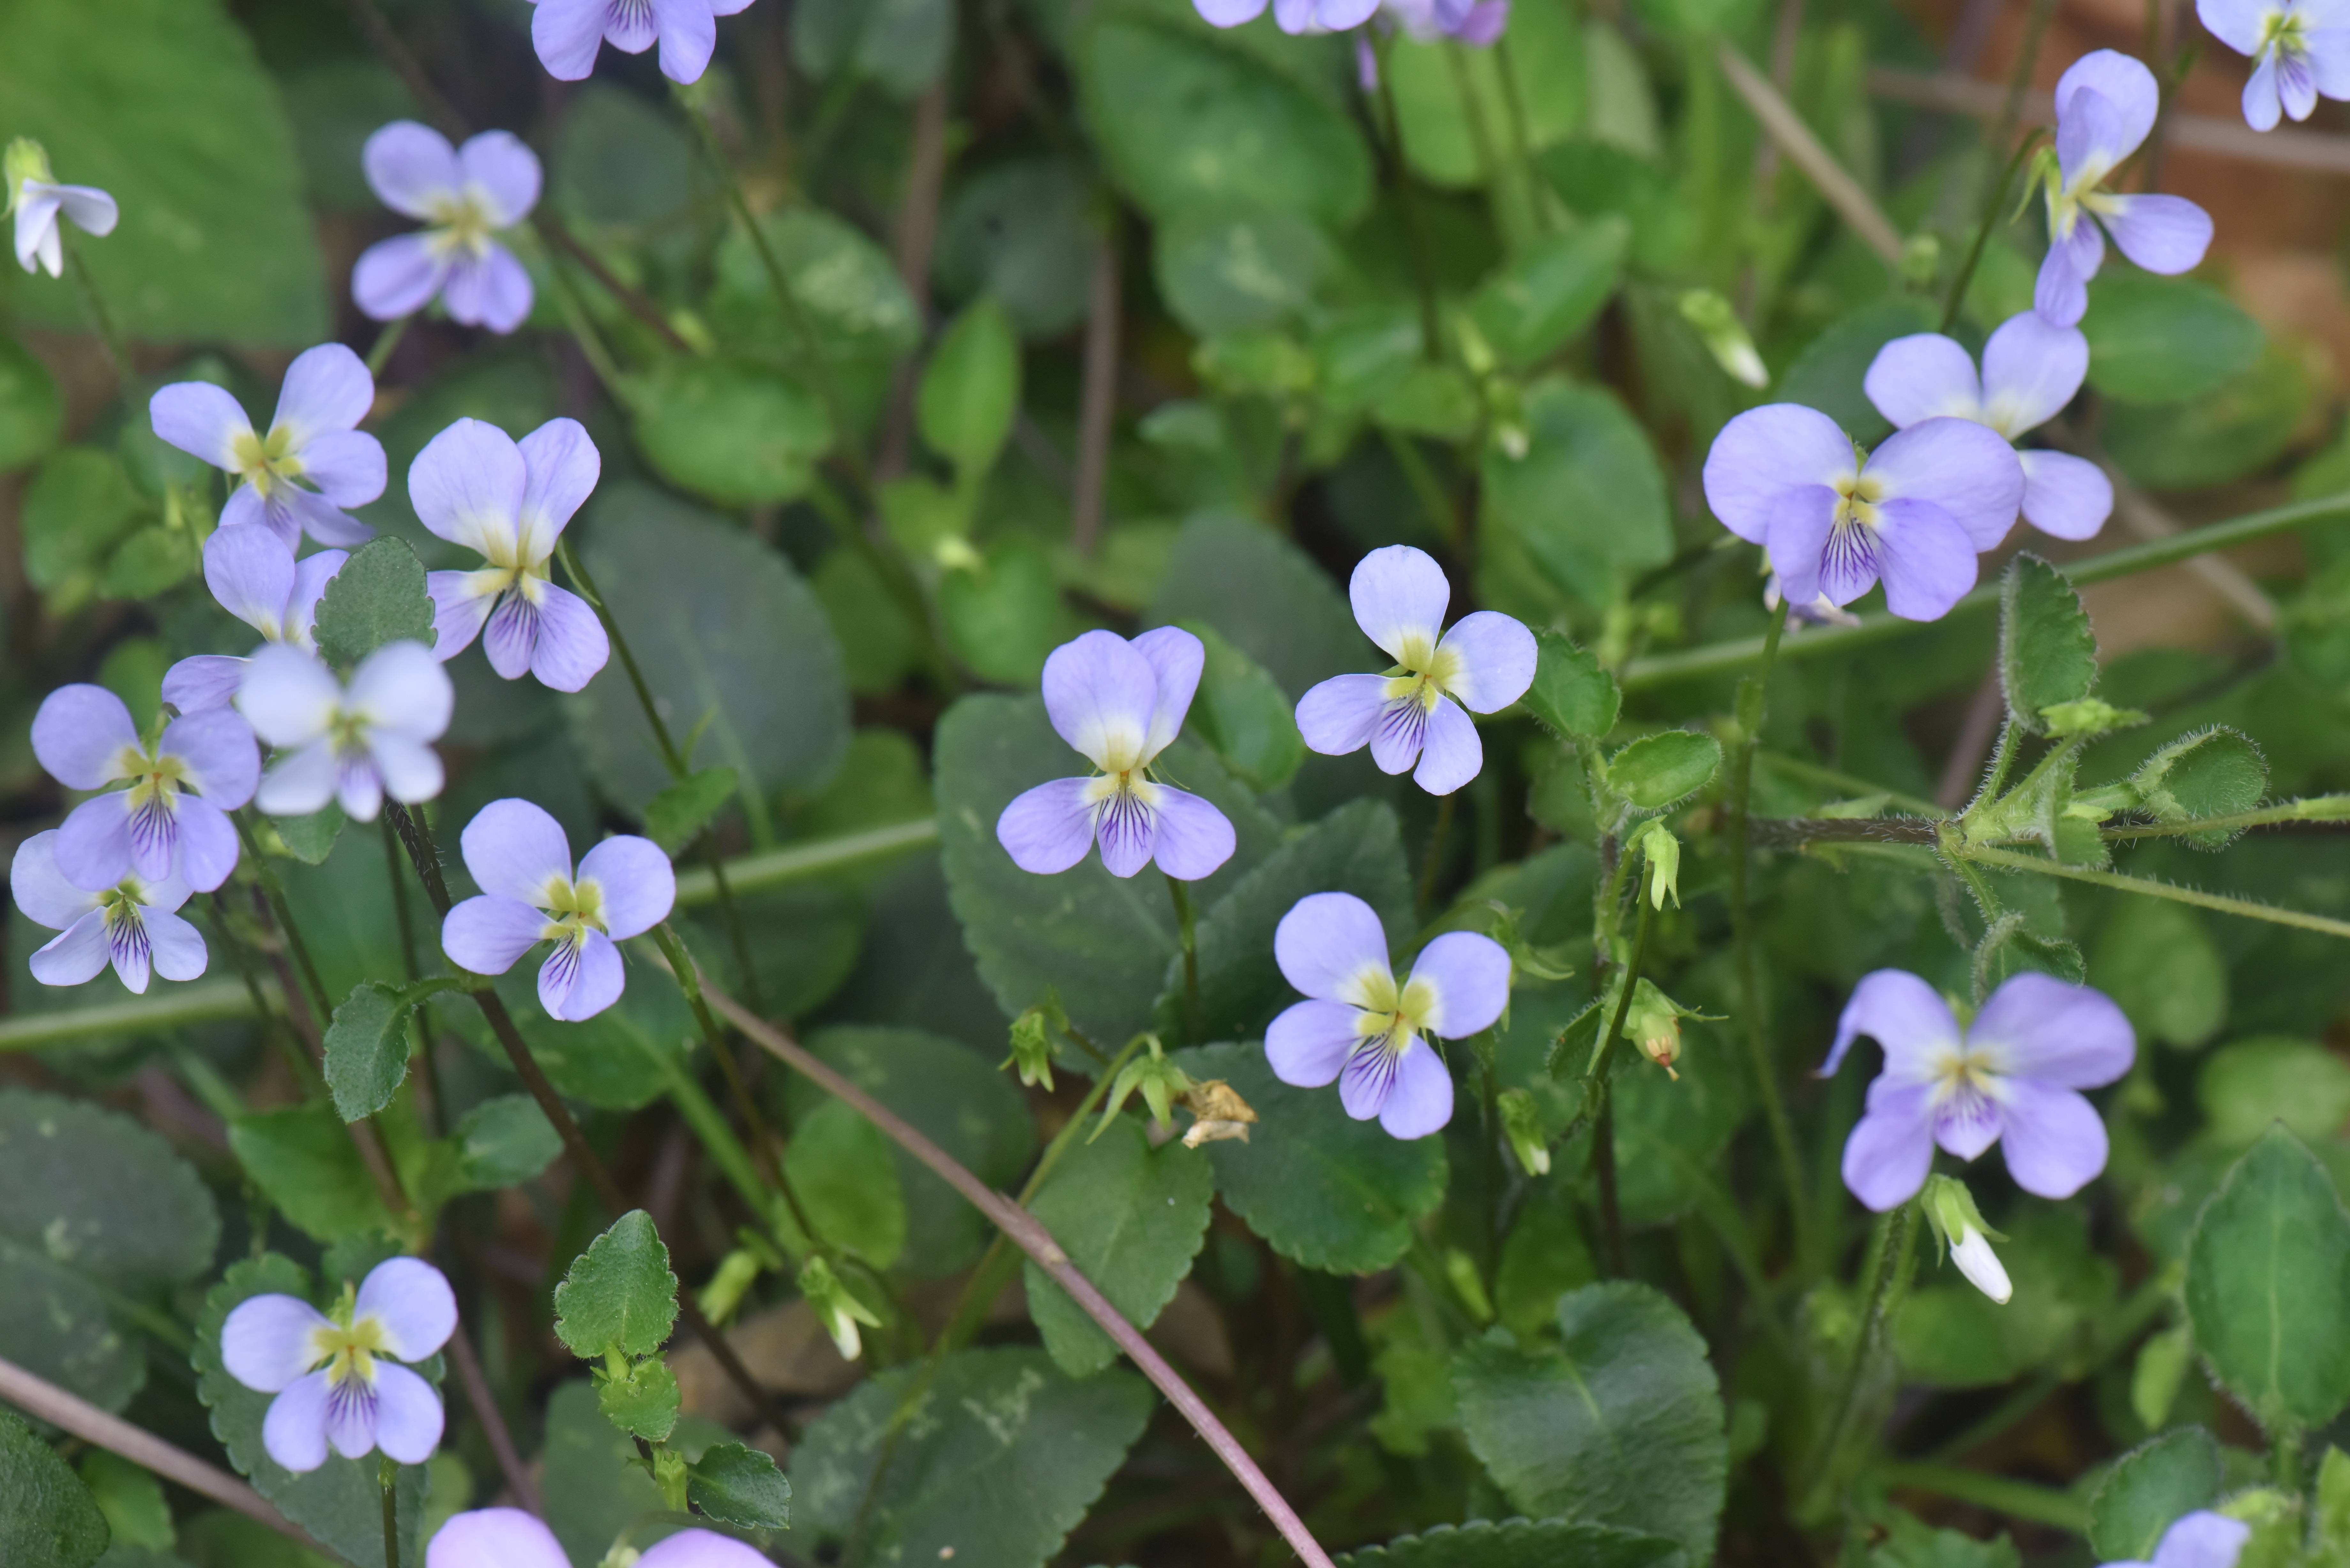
1724,337
724,1292
1655,841
1161,1081
836,1307
1959,1225
1654,1023
1032,1048
1221,1114
1521,1124
25,159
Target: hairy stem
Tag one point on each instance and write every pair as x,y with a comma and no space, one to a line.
2217,902
387,1476
1187,930
1600,1085
1886,1278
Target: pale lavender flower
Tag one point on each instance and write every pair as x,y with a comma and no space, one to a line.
1414,715
130,925
1291,15
2199,1540
567,33
2030,369
1834,520
2300,49
2012,1077
356,746
172,821
509,1538
1364,1030
1476,23
2105,105
39,202
474,486
1119,703
315,436
255,578
465,195
522,862
337,1375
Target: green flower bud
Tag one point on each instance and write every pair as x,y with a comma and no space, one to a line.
1724,337
1031,1049
1655,841
25,159
838,1310
1161,1083
724,1292
1521,1124
1959,1226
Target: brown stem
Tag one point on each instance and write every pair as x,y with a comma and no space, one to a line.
467,1366
1097,396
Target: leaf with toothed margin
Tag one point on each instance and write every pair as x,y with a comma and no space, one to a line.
619,1293
378,597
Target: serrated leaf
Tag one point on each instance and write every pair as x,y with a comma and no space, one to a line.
618,1293
2268,1285
971,389
1521,1544
2148,1488
310,839
50,1521
1131,1218
2214,773
378,597
675,817
367,1048
1572,693
739,1486
302,1156
643,1403
1655,771
2047,652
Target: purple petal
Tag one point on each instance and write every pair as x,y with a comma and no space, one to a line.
265,1341
2296,86
1450,753
311,575
511,636
288,696
166,893
2328,47
412,168
401,688
2131,101
1366,65
1797,539
1331,946
2030,370
1368,1078
1903,1014
1967,470
1307,1042
176,947
1190,838
201,419
2067,1034
325,388
1420,1102
1049,828
493,291
1483,25
515,849
2202,1540
251,572
1892,1146
1470,977
2060,296
347,466
351,1413
1763,453
92,210
1922,376
495,1537
2161,233
2054,1142
1403,727
1925,558
487,935
1101,694
217,750
208,844
75,957
304,511
93,847
566,33
81,735
698,1548
2065,496
639,887
1294,16
299,781
398,277
461,602
689,34
1339,15
503,174
410,770
1967,1121
1399,593
407,1414
1126,829
205,681
1175,659
295,1430
1228,13
2264,104
2236,23
42,890
1495,657
359,787
571,647
579,981
412,1301
1341,714
562,466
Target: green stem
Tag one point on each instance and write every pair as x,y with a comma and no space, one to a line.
1850,784
1992,210
2316,808
305,1071
428,1072
1600,1085
387,1475
2217,902
117,354
283,913
2284,1459
1886,1278
798,862
160,1011
379,354
671,758
1431,860
2015,1498
1188,932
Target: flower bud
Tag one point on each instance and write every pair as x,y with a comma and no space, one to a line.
1031,1049
1654,1023
724,1292
840,1311
1161,1084
1958,1224
25,159
1221,1114
1655,841
1724,337
1521,1124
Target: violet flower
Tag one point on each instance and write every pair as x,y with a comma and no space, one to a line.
39,202
2199,1540
567,32
2030,369
1412,713
2012,1076
1476,23
2300,49
1119,703
522,862
475,486
2105,105
464,194
509,1538
1361,1028
171,822
1834,520
355,745
330,1373
314,436
130,925
255,577
1291,15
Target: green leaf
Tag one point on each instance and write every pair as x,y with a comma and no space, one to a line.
378,597
1022,231
1546,1257
1266,596
2160,339
1132,1218
739,1486
2149,1488
1003,615
164,104
79,503
849,292
2252,1084
57,1325
1452,101
302,1156
900,44
1913,1544
1671,1133
618,1293
2241,428
31,414
1520,1543
1586,502
131,1499
151,560
2155,958
643,1403
93,1191
341,1503
1243,712
310,839
879,647
1322,1188
504,1141
1000,1459
740,433
1827,372
593,1484
2329,1525
367,1049
1572,693
971,389
1541,301
675,817
1223,269
2268,1285
842,1169
1622,1426
2047,652
2213,772
1655,771
50,1519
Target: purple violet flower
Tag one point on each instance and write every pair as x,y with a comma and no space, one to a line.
2014,1074
2105,104
475,486
1291,15
2030,369
1834,520
522,862
1359,1027
509,1538
1120,704
330,1373
255,578
131,925
314,436
172,820
355,745
2300,49
38,201
1412,714
1476,23
464,194
2199,1540
567,32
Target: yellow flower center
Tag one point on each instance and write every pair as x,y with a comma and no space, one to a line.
1427,673
349,1345
154,781
1393,1013
265,462
575,908
1857,496
461,222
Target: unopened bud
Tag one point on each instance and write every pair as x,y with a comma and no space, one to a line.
1724,337
724,1292
1031,1049
840,1311
1959,1225
1160,1081
23,159
1655,841
1223,1113
1655,1024
1521,1124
